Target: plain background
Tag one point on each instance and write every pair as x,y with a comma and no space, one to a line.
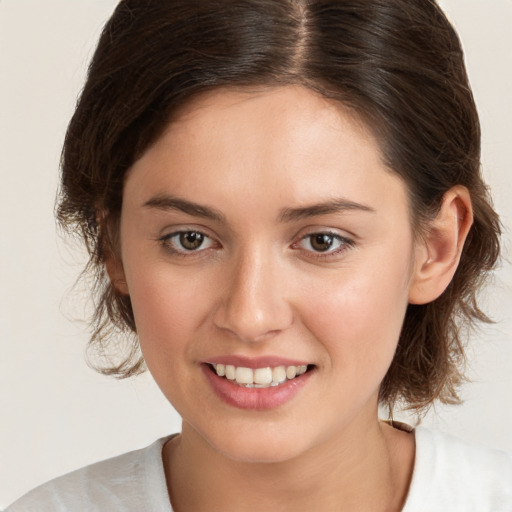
55,413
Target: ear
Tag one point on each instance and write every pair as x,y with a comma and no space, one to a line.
437,254
112,253
116,274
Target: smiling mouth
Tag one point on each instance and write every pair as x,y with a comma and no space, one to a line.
259,377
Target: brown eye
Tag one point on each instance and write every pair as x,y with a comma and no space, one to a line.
321,242
191,240
187,242
324,244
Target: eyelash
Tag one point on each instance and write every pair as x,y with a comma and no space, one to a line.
344,244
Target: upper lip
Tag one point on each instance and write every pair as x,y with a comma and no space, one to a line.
256,362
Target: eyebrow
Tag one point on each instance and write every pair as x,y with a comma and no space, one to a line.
167,202
324,208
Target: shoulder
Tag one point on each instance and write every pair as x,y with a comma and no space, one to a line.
124,483
451,474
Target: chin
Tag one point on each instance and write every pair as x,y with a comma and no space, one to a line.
253,447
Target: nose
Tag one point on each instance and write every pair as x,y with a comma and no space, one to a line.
254,305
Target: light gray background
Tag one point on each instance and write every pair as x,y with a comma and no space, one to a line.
55,413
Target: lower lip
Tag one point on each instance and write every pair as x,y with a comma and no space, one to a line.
254,398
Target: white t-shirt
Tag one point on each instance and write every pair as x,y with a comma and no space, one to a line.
449,476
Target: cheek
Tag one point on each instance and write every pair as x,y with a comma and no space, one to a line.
359,315
168,310
169,315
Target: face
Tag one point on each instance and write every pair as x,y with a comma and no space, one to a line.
262,236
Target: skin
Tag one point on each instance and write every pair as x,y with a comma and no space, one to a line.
257,287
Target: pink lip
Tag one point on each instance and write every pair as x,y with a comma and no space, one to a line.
255,398
256,362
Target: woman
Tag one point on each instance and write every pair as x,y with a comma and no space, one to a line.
282,200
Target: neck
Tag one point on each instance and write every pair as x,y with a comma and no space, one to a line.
361,471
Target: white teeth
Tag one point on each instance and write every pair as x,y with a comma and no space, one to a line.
244,375
230,372
279,374
262,376
259,377
291,372
221,370
301,369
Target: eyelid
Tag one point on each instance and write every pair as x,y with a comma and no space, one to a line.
174,228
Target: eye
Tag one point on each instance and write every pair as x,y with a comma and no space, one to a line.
324,243
187,241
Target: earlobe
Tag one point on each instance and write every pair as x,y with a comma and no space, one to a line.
438,253
116,274
111,257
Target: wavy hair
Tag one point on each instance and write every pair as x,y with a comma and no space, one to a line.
397,63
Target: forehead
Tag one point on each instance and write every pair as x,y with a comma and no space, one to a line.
290,108
285,143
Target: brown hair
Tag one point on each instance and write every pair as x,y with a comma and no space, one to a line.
397,63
